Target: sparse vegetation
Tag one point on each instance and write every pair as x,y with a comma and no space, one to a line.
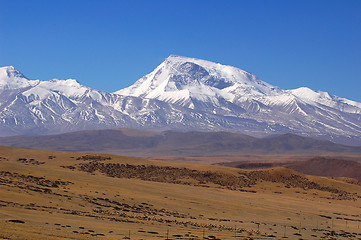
90,196
30,161
167,174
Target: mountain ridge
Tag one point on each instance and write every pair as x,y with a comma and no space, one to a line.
181,94
141,143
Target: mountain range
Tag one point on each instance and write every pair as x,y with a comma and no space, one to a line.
183,94
140,143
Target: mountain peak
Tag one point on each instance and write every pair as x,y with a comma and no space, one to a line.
10,72
183,79
70,82
173,56
182,58
176,60
8,67
11,78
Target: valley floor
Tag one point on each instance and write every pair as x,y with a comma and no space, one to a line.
59,195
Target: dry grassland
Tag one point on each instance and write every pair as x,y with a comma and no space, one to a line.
60,195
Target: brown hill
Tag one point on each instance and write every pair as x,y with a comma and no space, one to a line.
329,166
172,143
334,167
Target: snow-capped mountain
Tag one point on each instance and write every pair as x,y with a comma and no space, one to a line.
186,81
231,92
181,93
11,78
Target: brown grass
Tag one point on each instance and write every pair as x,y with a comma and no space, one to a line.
117,195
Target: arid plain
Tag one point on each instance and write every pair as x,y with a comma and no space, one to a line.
64,195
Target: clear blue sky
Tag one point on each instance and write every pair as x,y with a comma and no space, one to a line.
109,44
